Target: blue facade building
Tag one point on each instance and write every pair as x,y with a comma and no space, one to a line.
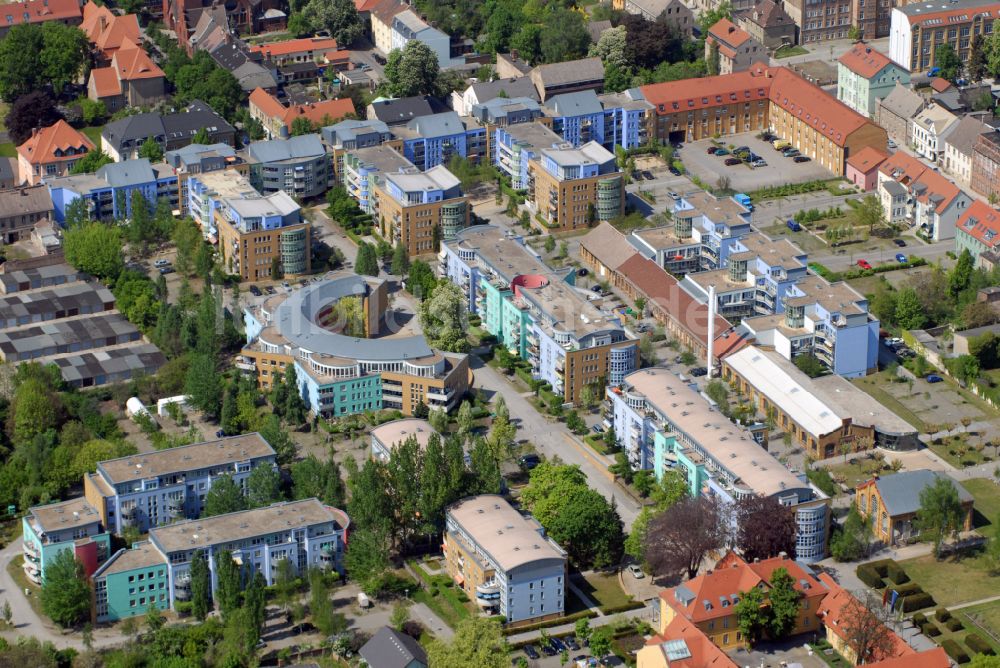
429,141
109,191
516,145
611,120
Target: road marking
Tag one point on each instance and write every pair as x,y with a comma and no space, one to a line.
582,449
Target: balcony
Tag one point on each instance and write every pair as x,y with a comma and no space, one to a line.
443,395
30,550
32,572
245,363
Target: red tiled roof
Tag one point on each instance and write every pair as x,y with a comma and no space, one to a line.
865,61
39,11
365,5
303,45
106,82
120,32
902,167
867,159
384,10
92,15
940,85
41,147
718,588
945,16
932,658
816,108
937,188
337,56
832,610
692,94
132,63
317,112
981,223
703,652
726,32
267,103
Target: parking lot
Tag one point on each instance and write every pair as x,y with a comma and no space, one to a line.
742,178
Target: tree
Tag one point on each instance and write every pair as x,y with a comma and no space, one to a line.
339,17
679,538
985,661
863,625
611,48
653,43
263,486
978,314
366,263
295,408
412,71
600,640
34,55
94,248
667,491
712,64
961,274
301,126
400,615
65,593
977,66
255,600
367,558
751,615
151,150
36,409
154,618
228,586
29,112
225,496
854,539
949,62
765,528
784,604
324,618
400,259
64,54
478,641
909,312
203,385
810,365
563,36
321,479
868,213
940,512
201,586
202,136
443,320
421,281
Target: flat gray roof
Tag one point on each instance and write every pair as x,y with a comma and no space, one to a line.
510,538
46,303
64,515
51,337
143,555
110,366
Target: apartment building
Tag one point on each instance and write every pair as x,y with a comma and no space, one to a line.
109,191
986,165
123,138
568,336
662,423
419,209
504,561
821,20
768,23
930,126
363,168
822,415
351,135
50,152
298,166
200,159
515,145
341,373
959,144
737,49
304,50
408,27
574,188
49,530
429,141
917,29
389,435
568,77
671,11
482,92
402,110
254,231
21,209
277,119
866,75
306,533
148,490
614,119
896,111
933,204
978,231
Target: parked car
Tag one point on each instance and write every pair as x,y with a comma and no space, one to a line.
722,151
286,286
548,650
899,242
677,145
790,152
582,271
733,161
933,378
529,461
711,150
269,289
557,644
673,170
759,162
221,433
900,258
648,175
572,643
698,371
864,264
531,652
255,291
892,144
597,429
636,571
801,158
166,270
674,196
794,226
162,262
741,149
595,288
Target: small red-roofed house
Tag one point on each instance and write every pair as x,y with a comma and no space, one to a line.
978,231
66,12
862,167
277,119
51,152
737,49
132,79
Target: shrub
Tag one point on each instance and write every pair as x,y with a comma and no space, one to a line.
463,597
919,619
183,608
955,651
942,614
896,573
908,589
868,575
881,567
978,645
930,630
917,602
954,624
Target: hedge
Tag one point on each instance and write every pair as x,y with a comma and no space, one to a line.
954,624
930,630
908,589
955,651
942,614
896,573
975,642
919,619
631,605
559,621
917,602
524,375
868,575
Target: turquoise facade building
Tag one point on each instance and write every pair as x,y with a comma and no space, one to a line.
128,583
57,527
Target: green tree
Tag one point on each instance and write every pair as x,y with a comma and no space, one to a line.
65,593
324,618
442,318
563,36
98,450
94,248
784,604
263,486
751,616
910,312
88,164
154,618
478,641
854,539
255,600
600,640
868,213
400,259
202,137
977,59
421,281
949,62
228,585
203,385
940,512
412,71
321,479
961,274
285,583
225,496
301,126
201,586
366,263
810,365
36,409
34,55
295,408
611,48
151,150
669,490
187,237
339,17
367,559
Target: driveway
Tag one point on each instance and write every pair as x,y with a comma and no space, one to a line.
779,169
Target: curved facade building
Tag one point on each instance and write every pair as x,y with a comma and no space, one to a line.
341,373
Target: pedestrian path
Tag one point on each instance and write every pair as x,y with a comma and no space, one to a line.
563,629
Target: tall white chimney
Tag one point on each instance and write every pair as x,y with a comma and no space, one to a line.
711,329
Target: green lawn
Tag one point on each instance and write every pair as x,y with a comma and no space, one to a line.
987,495
16,570
852,474
986,616
443,597
957,451
951,582
873,383
8,150
603,589
789,51
93,134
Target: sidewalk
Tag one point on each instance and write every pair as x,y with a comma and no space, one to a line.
639,613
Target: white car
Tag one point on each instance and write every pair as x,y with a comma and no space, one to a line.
674,196
162,262
636,571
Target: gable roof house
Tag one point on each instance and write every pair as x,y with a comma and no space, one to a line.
958,147
768,23
277,119
935,203
978,231
132,79
51,152
929,129
389,648
122,139
736,48
866,75
670,11
568,77
895,113
484,91
66,12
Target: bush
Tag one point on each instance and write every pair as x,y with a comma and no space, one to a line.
908,589
942,614
183,608
954,624
955,651
919,619
868,575
625,607
896,573
823,481
930,630
917,602
978,645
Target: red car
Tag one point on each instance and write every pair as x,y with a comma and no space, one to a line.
711,150
732,161
864,264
